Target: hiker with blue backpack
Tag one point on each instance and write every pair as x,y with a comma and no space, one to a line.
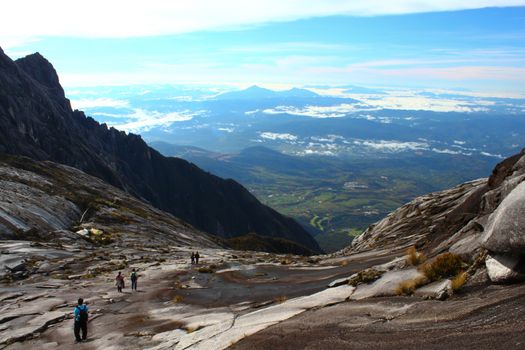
134,277
81,319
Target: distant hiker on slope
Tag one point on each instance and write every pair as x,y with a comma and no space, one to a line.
197,256
81,319
120,282
192,258
134,277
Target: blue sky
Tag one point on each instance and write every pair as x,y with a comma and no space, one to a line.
431,44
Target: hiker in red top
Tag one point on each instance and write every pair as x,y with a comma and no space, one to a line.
120,282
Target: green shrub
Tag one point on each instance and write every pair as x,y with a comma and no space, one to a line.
444,265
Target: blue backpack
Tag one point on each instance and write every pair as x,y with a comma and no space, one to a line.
82,313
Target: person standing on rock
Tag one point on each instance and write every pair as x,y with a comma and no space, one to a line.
120,282
81,319
192,258
134,277
197,256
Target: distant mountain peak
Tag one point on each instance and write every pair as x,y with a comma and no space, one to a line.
255,92
256,88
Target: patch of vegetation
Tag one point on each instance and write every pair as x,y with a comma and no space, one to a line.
459,281
443,266
408,287
29,235
286,261
280,299
252,241
317,221
177,299
207,269
335,240
99,237
365,276
414,257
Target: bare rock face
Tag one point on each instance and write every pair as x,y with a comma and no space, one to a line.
439,290
424,217
48,202
505,232
486,214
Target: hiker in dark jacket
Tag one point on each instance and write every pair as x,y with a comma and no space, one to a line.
119,282
192,258
197,257
134,277
81,319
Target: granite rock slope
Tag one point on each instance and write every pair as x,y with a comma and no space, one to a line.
485,216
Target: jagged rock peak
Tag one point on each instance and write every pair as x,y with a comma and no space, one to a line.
3,57
41,70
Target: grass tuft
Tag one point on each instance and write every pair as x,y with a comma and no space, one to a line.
281,299
408,287
414,257
459,281
444,265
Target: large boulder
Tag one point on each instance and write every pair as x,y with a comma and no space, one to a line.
439,290
504,268
505,231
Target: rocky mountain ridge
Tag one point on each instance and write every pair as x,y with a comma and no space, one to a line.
36,120
478,218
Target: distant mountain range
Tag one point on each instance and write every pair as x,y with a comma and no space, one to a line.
36,120
258,93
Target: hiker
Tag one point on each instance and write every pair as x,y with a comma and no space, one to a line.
197,256
192,258
120,282
134,277
81,319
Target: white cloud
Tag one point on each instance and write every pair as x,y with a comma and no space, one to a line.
278,136
487,154
411,100
445,151
336,111
229,130
98,102
146,120
392,145
134,18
